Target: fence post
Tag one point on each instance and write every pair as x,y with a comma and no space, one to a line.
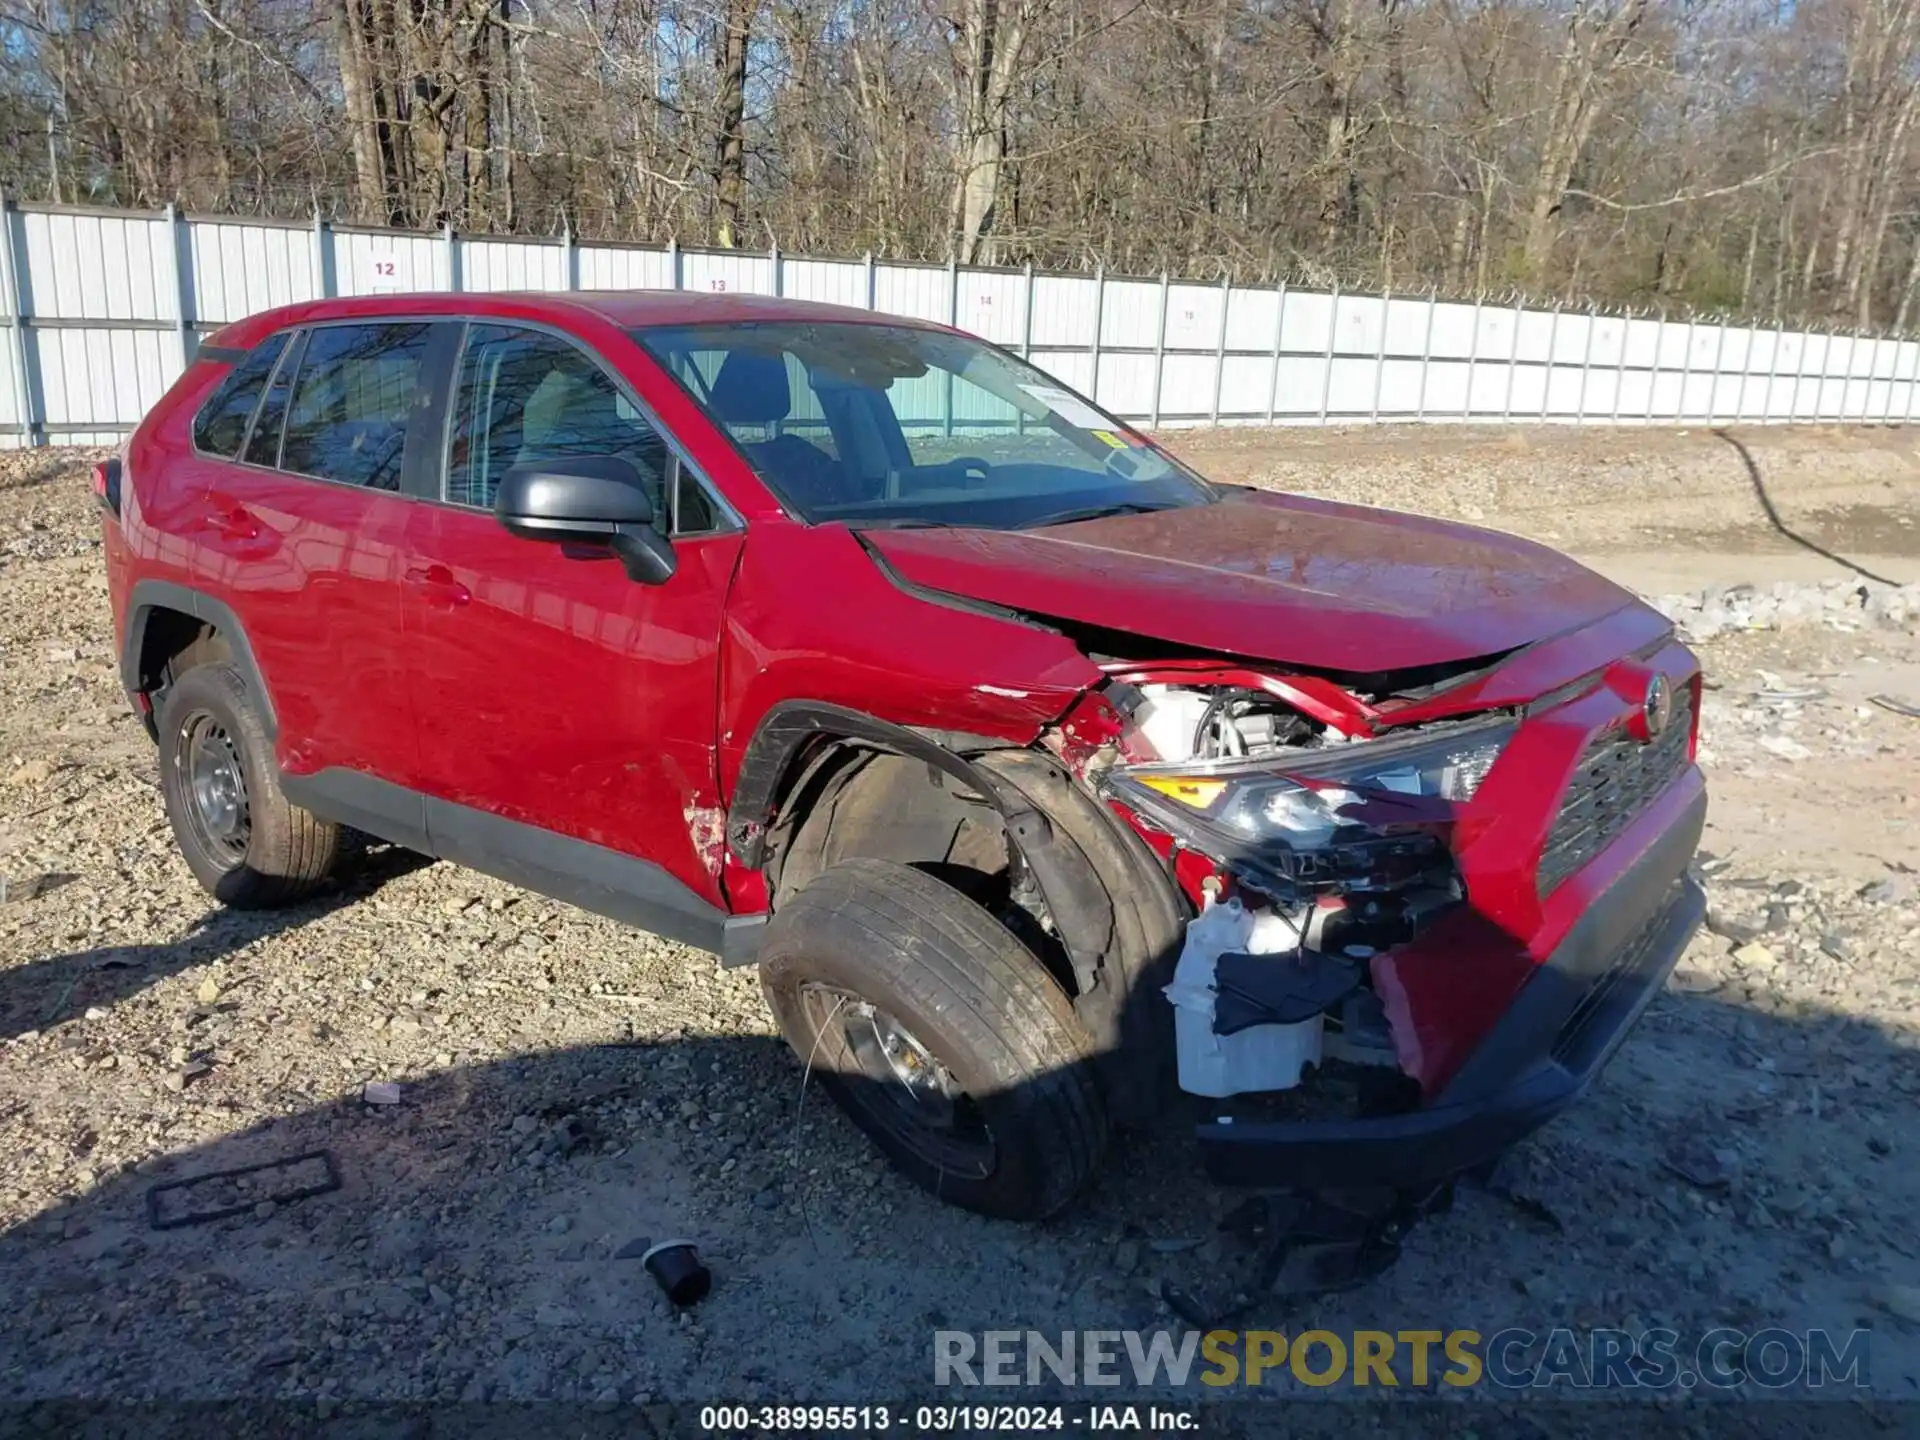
1773,371
1473,359
1026,336
1686,373
1826,368
953,319
1159,354
1893,373
1799,364
325,266
453,257
1820,376
1913,384
1513,358
1653,371
1220,351
1586,367
17,326
1099,307
1846,375
1799,373
1279,343
1426,353
675,264
773,257
1620,366
569,256
1873,364
1380,357
1026,317
1719,355
183,305
1876,367
1546,380
1333,332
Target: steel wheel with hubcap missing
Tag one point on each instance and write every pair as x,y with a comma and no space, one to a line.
901,1083
217,787
941,1036
244,841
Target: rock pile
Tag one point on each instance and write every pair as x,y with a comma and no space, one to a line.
1850,604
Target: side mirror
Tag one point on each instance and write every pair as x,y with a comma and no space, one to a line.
587,499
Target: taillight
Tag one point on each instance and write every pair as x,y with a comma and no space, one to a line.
106,485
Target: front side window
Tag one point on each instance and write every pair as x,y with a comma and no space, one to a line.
222,422
351,400
877,424
526,396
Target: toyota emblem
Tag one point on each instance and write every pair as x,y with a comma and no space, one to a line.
1657,709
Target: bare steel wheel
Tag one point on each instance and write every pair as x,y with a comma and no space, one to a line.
217,783
906,1089
941,1036
244,841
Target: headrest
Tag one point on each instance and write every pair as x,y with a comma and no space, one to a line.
751,389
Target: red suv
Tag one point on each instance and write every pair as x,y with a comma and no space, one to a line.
859,649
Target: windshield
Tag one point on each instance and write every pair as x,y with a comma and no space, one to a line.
890,425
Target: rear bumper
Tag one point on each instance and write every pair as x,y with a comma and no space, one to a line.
1537,1059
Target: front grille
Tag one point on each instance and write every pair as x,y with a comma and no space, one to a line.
1615,781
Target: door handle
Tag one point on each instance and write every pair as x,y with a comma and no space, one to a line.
437,586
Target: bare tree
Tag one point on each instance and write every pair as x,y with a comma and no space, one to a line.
1735,154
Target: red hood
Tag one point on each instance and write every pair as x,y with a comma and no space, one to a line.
1273,577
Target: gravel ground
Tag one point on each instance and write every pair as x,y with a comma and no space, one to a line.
567,1089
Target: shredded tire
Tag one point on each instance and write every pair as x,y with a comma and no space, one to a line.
975,997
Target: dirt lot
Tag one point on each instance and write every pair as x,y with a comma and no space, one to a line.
568,1087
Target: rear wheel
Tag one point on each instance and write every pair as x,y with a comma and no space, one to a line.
940,1034
244,841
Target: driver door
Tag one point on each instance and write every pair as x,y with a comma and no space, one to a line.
556,699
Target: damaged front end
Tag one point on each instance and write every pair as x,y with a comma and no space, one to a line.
1426,920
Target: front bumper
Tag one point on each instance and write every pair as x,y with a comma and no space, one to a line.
1560,1030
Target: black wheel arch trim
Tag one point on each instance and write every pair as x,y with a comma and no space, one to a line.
1120,919
776,756
151,595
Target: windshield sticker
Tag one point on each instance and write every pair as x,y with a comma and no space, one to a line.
1074,411
1107,437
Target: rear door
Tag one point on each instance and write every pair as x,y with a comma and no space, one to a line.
307,532
557,700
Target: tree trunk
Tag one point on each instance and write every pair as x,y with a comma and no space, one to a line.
992,37
477,159
1591,52
356,90
730,159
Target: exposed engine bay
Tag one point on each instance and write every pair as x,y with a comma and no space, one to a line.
1327,847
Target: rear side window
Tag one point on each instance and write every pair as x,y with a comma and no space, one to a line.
222,422
357,386
263,442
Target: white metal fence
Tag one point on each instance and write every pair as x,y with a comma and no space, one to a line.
100,310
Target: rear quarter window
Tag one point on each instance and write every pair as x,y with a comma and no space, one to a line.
222,421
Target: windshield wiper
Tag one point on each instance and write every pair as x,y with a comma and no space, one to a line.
1098,512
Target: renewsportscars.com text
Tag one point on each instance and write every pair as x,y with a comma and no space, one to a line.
1513,1358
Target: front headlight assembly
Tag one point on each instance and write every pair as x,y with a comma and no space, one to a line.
1373,812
